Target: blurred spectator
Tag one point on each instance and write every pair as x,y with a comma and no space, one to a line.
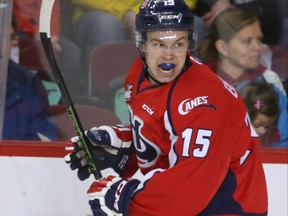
267,11
97,22
261,101
234,50
68,54
26,115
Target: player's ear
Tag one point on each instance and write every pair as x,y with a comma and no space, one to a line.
221,47
141,50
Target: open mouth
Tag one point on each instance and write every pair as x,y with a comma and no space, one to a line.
166,67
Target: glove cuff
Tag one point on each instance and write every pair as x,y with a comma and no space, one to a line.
125,189
111,195
116,141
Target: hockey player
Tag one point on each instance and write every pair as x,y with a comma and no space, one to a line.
190,134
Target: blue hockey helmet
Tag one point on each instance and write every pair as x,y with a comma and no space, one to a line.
161,15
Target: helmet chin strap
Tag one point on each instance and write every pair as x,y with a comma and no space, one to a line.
146,68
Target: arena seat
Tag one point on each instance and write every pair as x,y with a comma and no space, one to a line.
110,63
90,116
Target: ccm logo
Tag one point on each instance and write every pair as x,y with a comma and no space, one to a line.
148,109
169,17
118,194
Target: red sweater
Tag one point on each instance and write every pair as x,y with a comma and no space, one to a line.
27,13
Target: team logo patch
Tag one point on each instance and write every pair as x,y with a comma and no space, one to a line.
189,104
147,152
170,17
128,92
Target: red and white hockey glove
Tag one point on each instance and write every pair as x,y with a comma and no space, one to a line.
111,196
111,150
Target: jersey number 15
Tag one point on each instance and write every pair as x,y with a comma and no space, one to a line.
202,142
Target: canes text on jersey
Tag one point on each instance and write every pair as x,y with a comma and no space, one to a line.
188,104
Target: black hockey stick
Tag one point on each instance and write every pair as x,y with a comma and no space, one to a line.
44,29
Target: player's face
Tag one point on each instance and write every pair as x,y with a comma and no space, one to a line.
165,53
244,50
262,124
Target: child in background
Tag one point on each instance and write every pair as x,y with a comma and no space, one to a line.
261,102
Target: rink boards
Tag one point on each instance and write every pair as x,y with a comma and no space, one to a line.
35,180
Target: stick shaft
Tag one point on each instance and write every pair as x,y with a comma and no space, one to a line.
45,17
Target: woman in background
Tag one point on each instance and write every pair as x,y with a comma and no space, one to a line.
234,49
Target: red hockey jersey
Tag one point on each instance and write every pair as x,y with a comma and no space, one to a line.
194,145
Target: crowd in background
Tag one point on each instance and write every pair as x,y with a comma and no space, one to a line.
79,27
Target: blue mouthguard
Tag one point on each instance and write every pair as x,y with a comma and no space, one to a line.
167,66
